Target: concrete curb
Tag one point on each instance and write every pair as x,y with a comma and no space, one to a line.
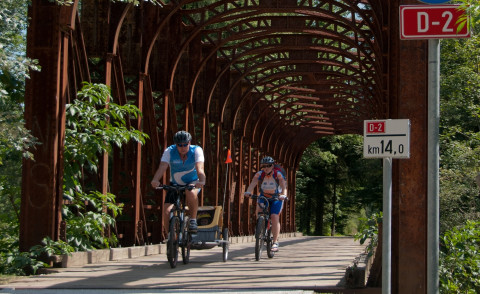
356,275
78,259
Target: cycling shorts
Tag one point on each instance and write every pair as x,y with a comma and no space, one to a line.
275,205
171,196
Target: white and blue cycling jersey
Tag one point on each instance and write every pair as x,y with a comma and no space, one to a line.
183,173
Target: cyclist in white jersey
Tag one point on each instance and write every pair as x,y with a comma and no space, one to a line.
186,163
272,183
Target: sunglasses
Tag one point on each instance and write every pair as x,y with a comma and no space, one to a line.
182,145
268,165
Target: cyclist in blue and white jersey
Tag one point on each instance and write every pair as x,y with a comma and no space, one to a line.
186,163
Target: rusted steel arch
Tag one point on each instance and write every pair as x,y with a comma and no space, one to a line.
294,105
287,105
252,55
298,7
270,79
276,123
255,25
174,7
256,129
310,92
212,90
227,68
345,89
273,66
191,37
288,83
239,36
339,69
340,66
319,38
303,117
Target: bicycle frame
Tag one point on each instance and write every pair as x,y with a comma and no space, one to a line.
263,228
178,234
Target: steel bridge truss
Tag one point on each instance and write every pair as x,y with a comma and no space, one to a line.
257,77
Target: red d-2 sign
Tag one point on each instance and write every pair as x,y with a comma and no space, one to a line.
375,127
431,22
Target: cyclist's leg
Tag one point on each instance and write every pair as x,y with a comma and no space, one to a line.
275,209
191,198
192,202
167,207
275,227
258,210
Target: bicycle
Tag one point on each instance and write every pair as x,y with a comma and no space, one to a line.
263,228
178,234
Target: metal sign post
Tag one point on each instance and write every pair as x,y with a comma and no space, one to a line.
433,186
387,227
386,139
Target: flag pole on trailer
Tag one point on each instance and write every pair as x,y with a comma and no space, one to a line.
229,160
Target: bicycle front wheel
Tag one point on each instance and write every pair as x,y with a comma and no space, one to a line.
186,241
225,244
259,237
269,241
172,243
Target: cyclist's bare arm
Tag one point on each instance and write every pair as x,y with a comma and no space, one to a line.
162,168
201,174
252,185
283,184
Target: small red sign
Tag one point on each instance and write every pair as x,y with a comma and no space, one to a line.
375,127
431,22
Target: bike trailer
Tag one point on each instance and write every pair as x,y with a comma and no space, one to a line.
210,223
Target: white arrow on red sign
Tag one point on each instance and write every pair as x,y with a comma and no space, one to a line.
431,22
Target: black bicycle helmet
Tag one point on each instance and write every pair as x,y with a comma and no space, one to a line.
267,160
182,137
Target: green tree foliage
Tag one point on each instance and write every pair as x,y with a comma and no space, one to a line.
368,231
472,10
460,259
459,160
94,124
459,131
334,184
15,139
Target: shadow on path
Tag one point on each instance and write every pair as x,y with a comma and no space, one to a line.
302,263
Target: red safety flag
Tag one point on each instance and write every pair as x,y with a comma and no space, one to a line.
229,157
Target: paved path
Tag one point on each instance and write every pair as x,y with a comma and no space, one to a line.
303,263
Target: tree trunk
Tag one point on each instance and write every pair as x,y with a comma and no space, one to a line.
319,215
334,203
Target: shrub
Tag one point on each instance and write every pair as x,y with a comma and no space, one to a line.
460,259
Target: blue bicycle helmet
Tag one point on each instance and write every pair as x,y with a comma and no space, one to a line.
267,160
182,137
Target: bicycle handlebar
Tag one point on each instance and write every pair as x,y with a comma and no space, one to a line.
175,187
274,197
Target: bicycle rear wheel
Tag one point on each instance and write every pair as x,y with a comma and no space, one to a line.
259,237
186,241
172,243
